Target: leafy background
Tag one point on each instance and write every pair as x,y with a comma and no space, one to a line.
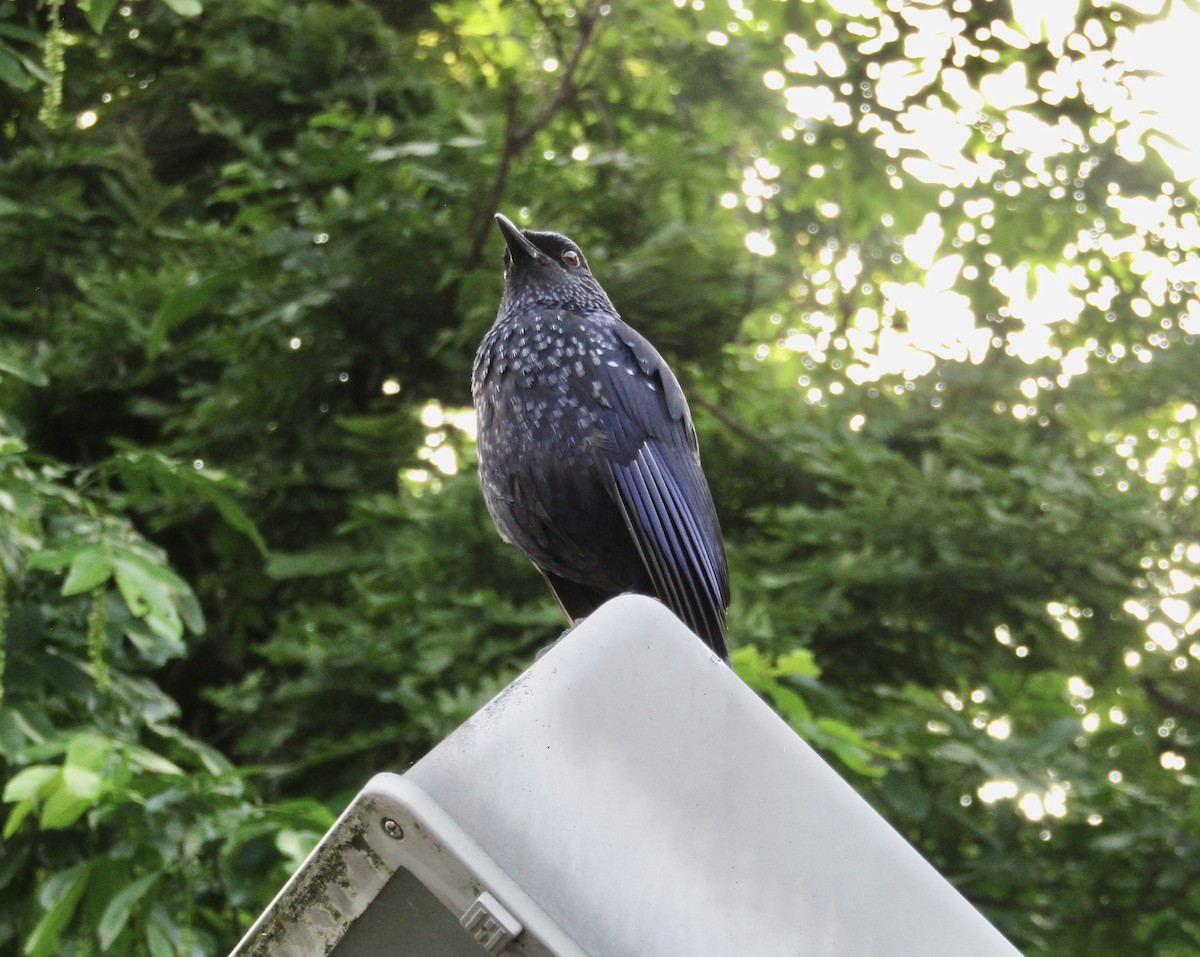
932,296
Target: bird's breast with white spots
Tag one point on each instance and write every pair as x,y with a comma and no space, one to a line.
544,375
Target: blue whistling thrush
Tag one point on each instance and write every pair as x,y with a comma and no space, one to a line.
588,459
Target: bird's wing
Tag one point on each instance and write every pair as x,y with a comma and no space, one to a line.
661,489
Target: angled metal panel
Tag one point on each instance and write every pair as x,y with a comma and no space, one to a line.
654,805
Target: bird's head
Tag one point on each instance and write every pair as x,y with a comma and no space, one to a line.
547,269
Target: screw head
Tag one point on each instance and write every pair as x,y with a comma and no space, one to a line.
392,829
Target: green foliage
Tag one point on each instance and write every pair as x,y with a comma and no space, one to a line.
243,560
779,681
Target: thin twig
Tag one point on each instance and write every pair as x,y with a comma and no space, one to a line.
566,86
731,421
774,450
507,153
550,27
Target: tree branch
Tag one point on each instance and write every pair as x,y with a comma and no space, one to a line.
1165,701
517,138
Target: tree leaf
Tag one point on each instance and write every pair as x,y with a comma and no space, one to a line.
60,896
89,751
147,590
799,662
16,816
29,783
15,367
63,809
82,783
182,303
11,72
98,12
147,760
181,482
237,518
164,620
51,559
116,914
191,612
78,792
158,943
185,8
90,568
18,32
318,563
134,586
11,445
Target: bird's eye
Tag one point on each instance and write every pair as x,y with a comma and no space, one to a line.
571,258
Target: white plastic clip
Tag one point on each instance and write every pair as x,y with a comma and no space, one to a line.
489,923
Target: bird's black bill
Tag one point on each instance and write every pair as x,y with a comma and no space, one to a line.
518,246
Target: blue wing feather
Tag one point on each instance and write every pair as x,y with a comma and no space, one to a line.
660,488
679,553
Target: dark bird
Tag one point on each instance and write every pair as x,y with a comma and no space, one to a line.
588,459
